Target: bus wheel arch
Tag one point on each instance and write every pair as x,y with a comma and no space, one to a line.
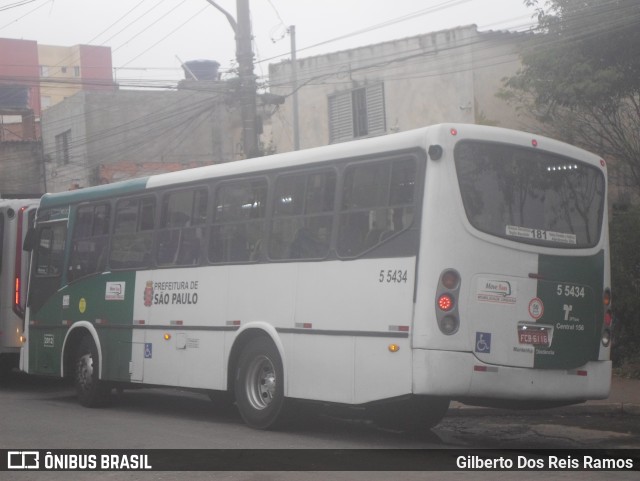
82,363
70,347
256,377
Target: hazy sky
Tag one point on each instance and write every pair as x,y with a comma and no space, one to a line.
148,36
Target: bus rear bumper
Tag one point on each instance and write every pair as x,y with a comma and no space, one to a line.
460,375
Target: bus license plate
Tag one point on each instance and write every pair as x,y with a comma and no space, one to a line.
536,337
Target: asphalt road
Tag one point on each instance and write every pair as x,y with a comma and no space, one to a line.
43,414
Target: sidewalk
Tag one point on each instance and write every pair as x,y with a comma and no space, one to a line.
624,396
624,399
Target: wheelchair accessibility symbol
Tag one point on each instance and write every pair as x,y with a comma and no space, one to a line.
148,350
483,342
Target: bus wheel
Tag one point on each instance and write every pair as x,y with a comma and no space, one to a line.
418,413
259,384
91,392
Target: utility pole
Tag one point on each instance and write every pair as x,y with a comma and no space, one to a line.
244,54
247,89
294,83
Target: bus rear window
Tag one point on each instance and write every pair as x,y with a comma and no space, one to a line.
530,196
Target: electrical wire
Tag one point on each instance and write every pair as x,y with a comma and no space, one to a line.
387,64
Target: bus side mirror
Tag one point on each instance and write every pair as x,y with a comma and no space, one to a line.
29,240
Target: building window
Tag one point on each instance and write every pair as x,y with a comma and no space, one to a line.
44,70
62,147
45,102
76,71
357,113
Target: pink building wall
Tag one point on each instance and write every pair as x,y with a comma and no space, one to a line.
19,65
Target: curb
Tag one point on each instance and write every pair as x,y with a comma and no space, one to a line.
628,409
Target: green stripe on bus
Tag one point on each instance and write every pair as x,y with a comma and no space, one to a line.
571,291
94,193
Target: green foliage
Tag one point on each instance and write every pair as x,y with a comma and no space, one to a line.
624,232
587,52
581,76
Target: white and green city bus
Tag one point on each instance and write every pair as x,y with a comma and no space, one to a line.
394,273
16,215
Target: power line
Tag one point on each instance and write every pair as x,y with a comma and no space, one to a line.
166,36
15,5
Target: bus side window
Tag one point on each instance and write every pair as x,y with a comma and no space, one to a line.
377,202
132,240
303,216
180,235
90,240
50,250
238,221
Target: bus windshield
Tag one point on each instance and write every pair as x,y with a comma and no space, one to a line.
530,196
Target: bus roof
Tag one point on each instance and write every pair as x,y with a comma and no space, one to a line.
358,148
410,139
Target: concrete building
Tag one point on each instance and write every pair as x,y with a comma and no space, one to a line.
65,71
19,89
21,168
447,76
32,78
100,137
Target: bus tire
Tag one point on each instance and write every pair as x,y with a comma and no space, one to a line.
418,413
259,389
90,391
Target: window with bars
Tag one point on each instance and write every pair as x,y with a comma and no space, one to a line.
62,147
357,113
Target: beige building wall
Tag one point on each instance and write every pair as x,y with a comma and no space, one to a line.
59,73
447,76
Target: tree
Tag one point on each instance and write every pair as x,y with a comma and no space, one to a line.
581,76
624,232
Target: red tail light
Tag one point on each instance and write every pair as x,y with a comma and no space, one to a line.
16,300
446,307
608,318
606,298
445,302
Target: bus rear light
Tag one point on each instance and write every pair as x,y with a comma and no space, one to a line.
449,325
478,368
23,339
394,348
453,132
446,306
450,279
606,298
445,302
16,300
534,143
608,318
606,337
